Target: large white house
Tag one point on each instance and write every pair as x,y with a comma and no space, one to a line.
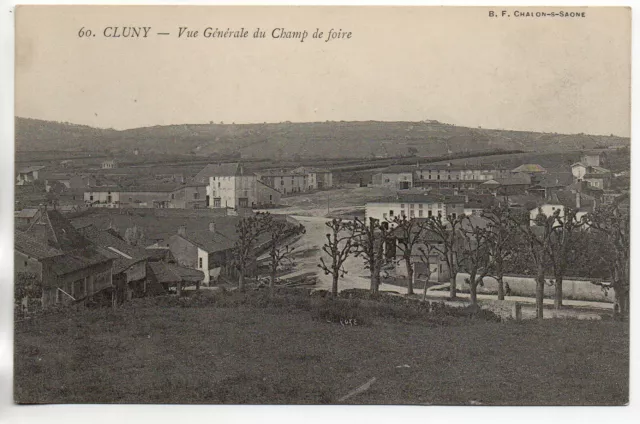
231,187
414,205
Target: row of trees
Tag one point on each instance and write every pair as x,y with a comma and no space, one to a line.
498,242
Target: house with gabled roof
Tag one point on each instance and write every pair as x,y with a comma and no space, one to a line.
207,251
229,186
28,174
70,267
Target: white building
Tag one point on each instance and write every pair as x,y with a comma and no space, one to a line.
414,206
396,177
231,187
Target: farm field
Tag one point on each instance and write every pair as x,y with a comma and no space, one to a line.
149,353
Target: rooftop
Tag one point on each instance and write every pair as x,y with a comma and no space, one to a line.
219,170
530,168
420,198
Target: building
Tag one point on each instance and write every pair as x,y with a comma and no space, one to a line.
561,200
507,186
551,183
475,204
109,164
460,177
415,206
207,251
230,186
70,182
70,267
28,174
267,196
396,177
317,178
129,262
189,196
286,182
534,171
24,217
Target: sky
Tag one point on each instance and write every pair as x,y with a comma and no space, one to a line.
456,65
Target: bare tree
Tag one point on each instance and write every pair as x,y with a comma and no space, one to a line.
369,241
446,233
280,254
425,250
561,247
537,239
614,223
474,252
339,245
501,241
249,230
408,234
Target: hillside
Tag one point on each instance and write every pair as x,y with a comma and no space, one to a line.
306,140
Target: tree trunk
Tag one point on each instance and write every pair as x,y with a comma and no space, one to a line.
452,286
407,261
500,279
473,285
426,285
540,292
241,279
557,301
334,286
272,282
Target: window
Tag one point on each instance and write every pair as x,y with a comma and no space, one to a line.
429,213
420,206
402,206
91,197
172,196
391,212
453,215
195,195
438,176
200,263
411,205
216,202
420,213
384,216
412,213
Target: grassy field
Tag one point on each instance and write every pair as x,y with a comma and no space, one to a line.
162,354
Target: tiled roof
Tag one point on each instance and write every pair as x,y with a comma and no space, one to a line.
32,247
509,181
420,198
219,170
209,240
28,169
530,168
59,231
25,213
170,273
117,247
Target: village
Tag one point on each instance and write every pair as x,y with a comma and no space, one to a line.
102,234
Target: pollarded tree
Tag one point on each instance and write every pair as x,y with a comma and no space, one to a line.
408,233
249,230
537,239
474,252
446,232
339,246
501,242
614,222
561,248
369,241
425,250
280,253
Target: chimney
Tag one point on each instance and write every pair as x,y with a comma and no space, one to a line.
182,230
212,227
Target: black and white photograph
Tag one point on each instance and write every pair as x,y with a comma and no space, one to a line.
322,205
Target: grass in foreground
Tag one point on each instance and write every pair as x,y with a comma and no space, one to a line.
147,353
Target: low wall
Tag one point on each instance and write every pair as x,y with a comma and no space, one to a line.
526,286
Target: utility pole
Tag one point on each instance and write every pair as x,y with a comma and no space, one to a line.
328,197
